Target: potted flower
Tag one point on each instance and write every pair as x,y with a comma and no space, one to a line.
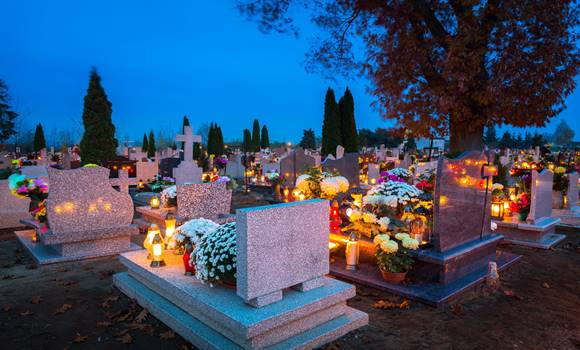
393,256
521,206
560,186
315,183
187,237
276,181
35,189
215,256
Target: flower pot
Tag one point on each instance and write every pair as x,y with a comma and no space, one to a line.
277,193
393,277
230,283
557,200
189,269
522,216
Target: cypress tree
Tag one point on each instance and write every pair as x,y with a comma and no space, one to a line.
211,140
490,138
151,145
144,144
348,131
308,139
39,140
7,115
265,140
256,136
331,136
98,143
247,143
220,141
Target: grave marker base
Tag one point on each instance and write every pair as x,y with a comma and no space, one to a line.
216,318
540,235
45,254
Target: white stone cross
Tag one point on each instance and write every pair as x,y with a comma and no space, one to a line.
189,138
123,181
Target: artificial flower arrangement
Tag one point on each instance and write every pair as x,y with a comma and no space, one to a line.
393,255
315,183
36,189
168,197
161,182
215,256
521,205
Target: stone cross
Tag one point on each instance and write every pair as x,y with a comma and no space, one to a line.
189,138
123,181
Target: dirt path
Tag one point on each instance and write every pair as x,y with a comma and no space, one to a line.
75,306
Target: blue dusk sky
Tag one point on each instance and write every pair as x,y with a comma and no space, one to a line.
162,60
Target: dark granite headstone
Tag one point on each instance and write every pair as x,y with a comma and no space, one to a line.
166,166
346,166
459,200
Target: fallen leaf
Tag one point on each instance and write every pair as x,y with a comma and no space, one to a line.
457,309
36,299
80,338
142,316
125,339
7,307
545,285
64,308
405,304
104,324
26,313
167,335
69,283
382,304
124,316
512,294
108,300
143,327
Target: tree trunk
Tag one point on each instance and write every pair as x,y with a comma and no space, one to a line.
465,136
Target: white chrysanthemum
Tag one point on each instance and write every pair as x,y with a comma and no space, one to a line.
402,236
329,187
410,243
194,230
167,194
389,247
380,239
402,192
342,183
384,223
401,172
214,252
355,215
496,186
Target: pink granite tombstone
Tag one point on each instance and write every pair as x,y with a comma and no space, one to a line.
207,200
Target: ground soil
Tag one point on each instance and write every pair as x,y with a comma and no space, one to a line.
75,306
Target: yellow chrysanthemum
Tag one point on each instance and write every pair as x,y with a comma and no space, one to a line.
410,243
389,247
402,236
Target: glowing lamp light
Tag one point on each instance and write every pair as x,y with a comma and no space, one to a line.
506,207
169,226
140,185
157,252
349,212
301,197
154,203
497,210
152,231
332,246
373,181
352,252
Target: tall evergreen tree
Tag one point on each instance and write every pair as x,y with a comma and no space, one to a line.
308,139
211,139
265,138
151,145
220,141
537,139
563,134
256,136
331,136
39,140
98,143
348,131
490,138
145,143
7,115
506,140
247,143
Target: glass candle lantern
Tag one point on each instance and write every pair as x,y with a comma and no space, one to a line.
352,252
169,226
151,233
154,203
497,210
157,249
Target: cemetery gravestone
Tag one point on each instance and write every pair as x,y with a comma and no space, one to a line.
572,193
207,200
147,170
293,164
373,174
346,166
86,216
339,152
217,318
166,166
187,171
123,181
235,168
539,229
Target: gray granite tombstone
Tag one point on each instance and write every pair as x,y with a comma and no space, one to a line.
166,166
207,200
572,193
87,218
346,166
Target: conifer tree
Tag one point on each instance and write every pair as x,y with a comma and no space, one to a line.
247,143
331,136
265,138
39,140
151,145
7,115
145,143
98,143
348,131
256,136
490,137
308,139
220,141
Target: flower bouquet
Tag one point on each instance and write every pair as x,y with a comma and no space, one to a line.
35,189
215,256
394,258
315,183
521,206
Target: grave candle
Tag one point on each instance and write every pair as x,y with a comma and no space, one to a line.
497,210
157,252
151,233
169,226
154,203
352,252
